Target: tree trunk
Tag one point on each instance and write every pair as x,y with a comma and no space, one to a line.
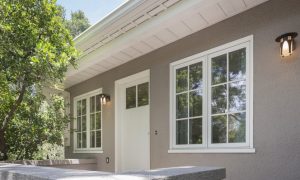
3,146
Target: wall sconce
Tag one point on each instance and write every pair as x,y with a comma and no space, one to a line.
287,44
104,98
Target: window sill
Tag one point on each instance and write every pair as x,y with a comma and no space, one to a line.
89,151
212,151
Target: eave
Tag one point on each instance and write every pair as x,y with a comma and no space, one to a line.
139,26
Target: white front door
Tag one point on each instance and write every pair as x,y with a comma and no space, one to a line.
132,123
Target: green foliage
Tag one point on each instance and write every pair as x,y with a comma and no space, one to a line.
36,122
49,151
34,41
36,49
78,23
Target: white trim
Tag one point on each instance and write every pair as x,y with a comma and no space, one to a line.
251,84
212,151
88,151
87,97
118,84
205,57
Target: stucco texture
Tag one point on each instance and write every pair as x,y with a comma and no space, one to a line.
276,97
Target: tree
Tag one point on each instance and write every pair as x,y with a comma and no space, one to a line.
36,123
78,23
35,50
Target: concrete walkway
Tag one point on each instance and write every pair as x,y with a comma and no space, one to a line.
26,172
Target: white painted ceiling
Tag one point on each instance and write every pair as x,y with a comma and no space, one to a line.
141,26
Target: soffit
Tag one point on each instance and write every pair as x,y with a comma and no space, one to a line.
140,26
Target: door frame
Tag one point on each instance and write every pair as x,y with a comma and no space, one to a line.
118,84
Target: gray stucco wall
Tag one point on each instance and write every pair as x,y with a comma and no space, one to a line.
276,96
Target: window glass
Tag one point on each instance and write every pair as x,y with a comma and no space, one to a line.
237,96
98,138
219,69
182,106
92,104
98,103
92,122
78,108
195,103
79,123
195,76
195,131
237,65
83,123
84,140
181,132
83,111
78,140
237,128
182,79
219,99
92,139
219,129
131,97
143,94
98,120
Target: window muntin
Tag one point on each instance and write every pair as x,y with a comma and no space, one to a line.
225,120
88,113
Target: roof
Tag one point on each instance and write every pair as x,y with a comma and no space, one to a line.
138,27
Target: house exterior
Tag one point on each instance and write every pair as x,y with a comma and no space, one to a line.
191,83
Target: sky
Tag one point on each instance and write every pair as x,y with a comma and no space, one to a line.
93,9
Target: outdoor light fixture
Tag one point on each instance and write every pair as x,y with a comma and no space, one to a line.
287,44
104,98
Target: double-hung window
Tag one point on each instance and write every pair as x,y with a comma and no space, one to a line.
88,123
211,100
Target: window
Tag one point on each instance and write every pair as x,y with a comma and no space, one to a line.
189,93
88,122
211,100
137,96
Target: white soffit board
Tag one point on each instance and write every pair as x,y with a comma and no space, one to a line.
140,26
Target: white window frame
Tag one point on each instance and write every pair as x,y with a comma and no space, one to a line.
205,58
87,97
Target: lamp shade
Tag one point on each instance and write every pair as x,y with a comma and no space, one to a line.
287,43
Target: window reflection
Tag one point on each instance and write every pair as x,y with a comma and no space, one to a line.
143,94
131,97
237,65
219,69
